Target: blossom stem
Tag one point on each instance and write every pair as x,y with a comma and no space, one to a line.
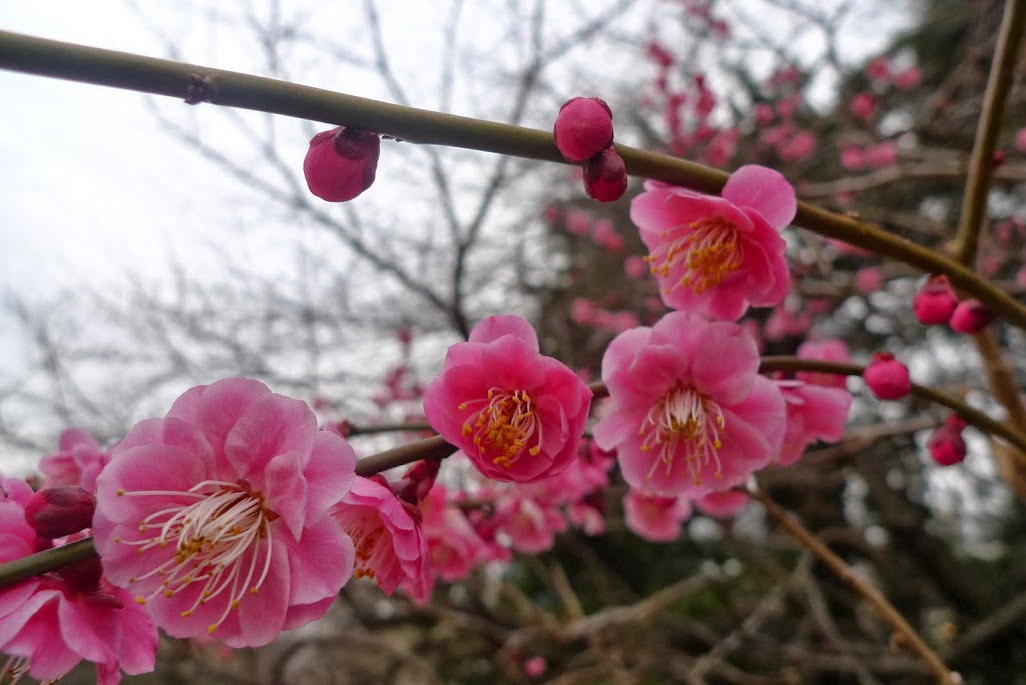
981,162
883,607
196,84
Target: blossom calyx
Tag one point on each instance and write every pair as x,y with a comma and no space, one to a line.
887,377
583,128
341,163
60,510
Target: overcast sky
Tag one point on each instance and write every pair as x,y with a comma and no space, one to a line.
90,187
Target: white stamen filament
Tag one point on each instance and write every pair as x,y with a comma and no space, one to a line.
684,423
211,535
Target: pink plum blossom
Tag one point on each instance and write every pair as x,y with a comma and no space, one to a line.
390,546
718,255
531,524
907,79
78,461
723,504
217,516
49,623
454,546
690,413
635,267
863,106
869,279
518,415
830,350
655,517
814,412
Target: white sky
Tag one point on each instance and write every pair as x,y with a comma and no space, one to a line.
90,186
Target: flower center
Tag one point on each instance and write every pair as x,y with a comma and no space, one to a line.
373,544
686,424
502,425
212,535
710,251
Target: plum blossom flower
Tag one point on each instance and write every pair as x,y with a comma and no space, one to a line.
531,524
723,504
390,546
78,461
718,255
217,516
454,546
828,350
690,413
518,415
814,412
655,517
49,623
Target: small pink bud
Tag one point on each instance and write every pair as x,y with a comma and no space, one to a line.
998,159
605,176
887,377
60,510
583,128
935,302
341,163
970,316
946,446
869,279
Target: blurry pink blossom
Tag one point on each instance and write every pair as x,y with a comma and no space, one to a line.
78,461
863,106
814,412
907,79
654,517
831,350
724,504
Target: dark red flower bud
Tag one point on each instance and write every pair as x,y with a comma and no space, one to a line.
60,510
970,316
935,302
341,163
946,446
887,377
605,176
583,128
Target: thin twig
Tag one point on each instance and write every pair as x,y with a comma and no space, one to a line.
886,610
232,89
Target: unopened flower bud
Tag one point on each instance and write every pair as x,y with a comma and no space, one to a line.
955,422
946,446
605,176
60,510
935,302
341,163
584,128
970,316
887,377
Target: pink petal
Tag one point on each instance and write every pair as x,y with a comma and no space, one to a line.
329,474
145,468
74,438
285,490
764,190
262,615
321,563
825,411
492,328
764,409
725,362
271,425
87,630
